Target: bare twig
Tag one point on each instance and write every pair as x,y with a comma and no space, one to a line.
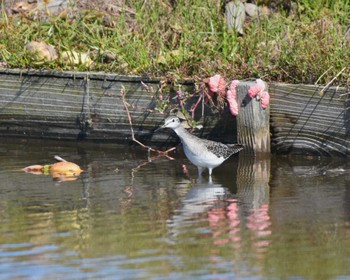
324,73
165,153
147,87
331,82
194,107
135,169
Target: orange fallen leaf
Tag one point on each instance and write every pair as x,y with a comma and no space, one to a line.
62,171
65,168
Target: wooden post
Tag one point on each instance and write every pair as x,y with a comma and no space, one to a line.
253,125
253,130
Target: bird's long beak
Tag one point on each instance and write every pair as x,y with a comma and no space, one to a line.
159,128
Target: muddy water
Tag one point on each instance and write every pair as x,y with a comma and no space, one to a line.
127,217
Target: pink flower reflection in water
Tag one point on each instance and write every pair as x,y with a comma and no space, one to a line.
226,223
259,220
259,223
220,218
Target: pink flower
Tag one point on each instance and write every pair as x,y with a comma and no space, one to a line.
214,83
265,99
259,91
257,88
217,84
231,97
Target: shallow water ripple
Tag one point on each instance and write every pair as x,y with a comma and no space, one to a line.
128,218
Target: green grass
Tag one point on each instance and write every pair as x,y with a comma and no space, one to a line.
190,40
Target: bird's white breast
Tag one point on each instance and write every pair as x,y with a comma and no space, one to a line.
202,158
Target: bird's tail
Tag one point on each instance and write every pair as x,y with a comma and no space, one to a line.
236,147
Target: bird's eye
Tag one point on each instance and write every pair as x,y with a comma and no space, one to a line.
173,120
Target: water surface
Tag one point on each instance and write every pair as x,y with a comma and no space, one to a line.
127,217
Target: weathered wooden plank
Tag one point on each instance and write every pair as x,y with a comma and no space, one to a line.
71,105
310,119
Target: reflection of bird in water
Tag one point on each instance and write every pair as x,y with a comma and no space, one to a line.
212,209
199,200
201,152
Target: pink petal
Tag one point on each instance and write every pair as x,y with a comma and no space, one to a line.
217,84
261,84
265,99
233,86
214,83
231,97
258,87
253,90
232,101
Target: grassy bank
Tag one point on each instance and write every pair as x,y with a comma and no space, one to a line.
190,39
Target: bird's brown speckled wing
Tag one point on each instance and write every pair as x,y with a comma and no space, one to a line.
222,150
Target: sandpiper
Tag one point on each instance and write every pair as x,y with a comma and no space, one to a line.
201,152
